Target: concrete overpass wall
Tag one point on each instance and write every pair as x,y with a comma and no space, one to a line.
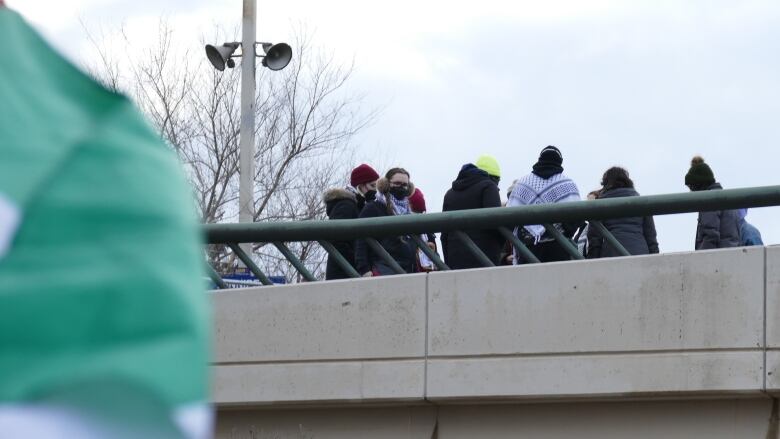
487,350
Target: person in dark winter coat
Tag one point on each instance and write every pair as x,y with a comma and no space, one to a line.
546,184
347,204
392,198
474,188
717,229
636,234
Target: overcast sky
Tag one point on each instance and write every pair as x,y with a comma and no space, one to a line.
641,84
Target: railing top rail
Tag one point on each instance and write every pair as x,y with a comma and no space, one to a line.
314,230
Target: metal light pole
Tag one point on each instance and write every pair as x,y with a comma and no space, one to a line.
275,57
246,146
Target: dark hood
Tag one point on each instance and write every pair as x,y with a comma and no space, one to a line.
468,176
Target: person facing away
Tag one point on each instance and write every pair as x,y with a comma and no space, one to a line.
392,198
475,187
716,229
346,204
546,184
749,234
417,205
636,234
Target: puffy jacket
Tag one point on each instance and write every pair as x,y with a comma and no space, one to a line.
718,229
341,204
472,189
636,234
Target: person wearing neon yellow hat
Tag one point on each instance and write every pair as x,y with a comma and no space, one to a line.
489,164
475,187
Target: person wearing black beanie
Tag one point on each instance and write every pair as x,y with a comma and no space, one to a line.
700,176
718,229
546,184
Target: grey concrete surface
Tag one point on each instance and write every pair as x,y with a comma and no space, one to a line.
686,325
682,301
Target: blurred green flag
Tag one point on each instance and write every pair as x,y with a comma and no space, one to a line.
103,317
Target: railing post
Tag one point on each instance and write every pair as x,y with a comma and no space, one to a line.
250,264
610,238
432,255
294,261
339,258
476,251
518,244
379,250
215,277
565,242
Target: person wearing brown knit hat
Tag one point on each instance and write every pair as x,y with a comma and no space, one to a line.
346,203
718,229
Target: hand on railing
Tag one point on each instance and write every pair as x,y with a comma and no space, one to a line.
368,274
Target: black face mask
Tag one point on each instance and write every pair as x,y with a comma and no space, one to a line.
370,195
399,192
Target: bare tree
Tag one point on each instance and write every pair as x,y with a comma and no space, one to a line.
306,117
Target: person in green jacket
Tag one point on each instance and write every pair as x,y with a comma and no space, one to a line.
103,315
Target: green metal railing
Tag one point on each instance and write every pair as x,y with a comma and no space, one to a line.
502,219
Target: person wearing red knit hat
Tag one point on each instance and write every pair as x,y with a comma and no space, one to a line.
363,175
347,203
417,202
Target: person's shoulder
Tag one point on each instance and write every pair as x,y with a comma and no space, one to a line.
338,194
373,208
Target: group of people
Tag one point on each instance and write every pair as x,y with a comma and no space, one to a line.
476,187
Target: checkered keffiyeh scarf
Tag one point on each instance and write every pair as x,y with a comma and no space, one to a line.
533,189
400,207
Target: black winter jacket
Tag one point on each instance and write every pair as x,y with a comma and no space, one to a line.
341,204
472,189
718,229
401,248
637,234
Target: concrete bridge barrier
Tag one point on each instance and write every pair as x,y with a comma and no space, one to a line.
672,345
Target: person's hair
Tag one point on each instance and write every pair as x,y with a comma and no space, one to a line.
394,171
616,177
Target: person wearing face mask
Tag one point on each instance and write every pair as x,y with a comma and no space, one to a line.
346,204
392,198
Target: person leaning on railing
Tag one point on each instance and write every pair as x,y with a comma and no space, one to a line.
717,229
636,234
475,187
392,198
347,203
546,184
